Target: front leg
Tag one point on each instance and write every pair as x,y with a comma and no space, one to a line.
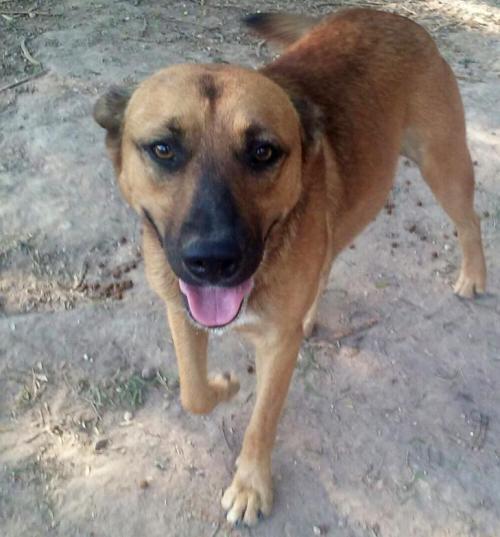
199,394
251,492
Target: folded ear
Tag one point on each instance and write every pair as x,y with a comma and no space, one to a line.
311,121
108,112
310,114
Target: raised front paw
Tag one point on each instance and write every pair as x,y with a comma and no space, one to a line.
250,494
218,389
224,387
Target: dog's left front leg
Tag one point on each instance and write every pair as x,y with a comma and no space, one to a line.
251,489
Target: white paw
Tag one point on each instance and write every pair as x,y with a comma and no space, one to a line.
249,496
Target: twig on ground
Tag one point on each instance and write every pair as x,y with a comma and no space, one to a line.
479,435
144,27
93,406
29,13
23,80
81,279
469,78
260,46
33,438
346,3
351,331
408,10
27,53
224,433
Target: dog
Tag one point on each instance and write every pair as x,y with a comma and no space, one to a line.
250,182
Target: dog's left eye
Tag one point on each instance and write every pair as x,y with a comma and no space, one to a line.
263,155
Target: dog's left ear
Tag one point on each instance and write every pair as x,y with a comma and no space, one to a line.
108,113
310,114
311,121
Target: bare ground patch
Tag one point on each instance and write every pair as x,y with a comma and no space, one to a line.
392,425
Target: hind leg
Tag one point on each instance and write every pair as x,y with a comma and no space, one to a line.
435,139
451,179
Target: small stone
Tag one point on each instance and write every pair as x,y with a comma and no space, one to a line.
320,530
148,373
101,444
127,284
212,22
143,484
128,416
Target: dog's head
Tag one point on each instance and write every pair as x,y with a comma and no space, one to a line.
211,156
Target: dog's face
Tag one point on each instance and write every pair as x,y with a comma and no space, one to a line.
211,156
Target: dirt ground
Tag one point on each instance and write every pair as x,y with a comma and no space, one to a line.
392,426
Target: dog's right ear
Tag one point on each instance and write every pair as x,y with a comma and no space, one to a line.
108,113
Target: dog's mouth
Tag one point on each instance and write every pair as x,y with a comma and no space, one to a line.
215,306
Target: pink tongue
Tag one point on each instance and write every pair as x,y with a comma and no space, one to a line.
215,306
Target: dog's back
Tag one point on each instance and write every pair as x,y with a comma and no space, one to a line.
359,66
383,90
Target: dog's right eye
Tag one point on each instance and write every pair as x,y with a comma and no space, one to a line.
163,151
169,154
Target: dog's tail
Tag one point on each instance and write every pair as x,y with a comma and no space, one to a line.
281,28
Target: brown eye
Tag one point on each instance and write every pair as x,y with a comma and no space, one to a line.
163,151
263,153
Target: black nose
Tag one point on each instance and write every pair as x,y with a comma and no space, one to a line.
212,261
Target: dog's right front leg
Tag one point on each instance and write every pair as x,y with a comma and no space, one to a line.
199,393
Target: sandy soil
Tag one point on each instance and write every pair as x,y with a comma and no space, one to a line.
393,422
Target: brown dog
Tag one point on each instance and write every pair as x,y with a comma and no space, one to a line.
249,184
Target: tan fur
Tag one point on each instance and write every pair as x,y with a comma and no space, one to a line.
379,87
